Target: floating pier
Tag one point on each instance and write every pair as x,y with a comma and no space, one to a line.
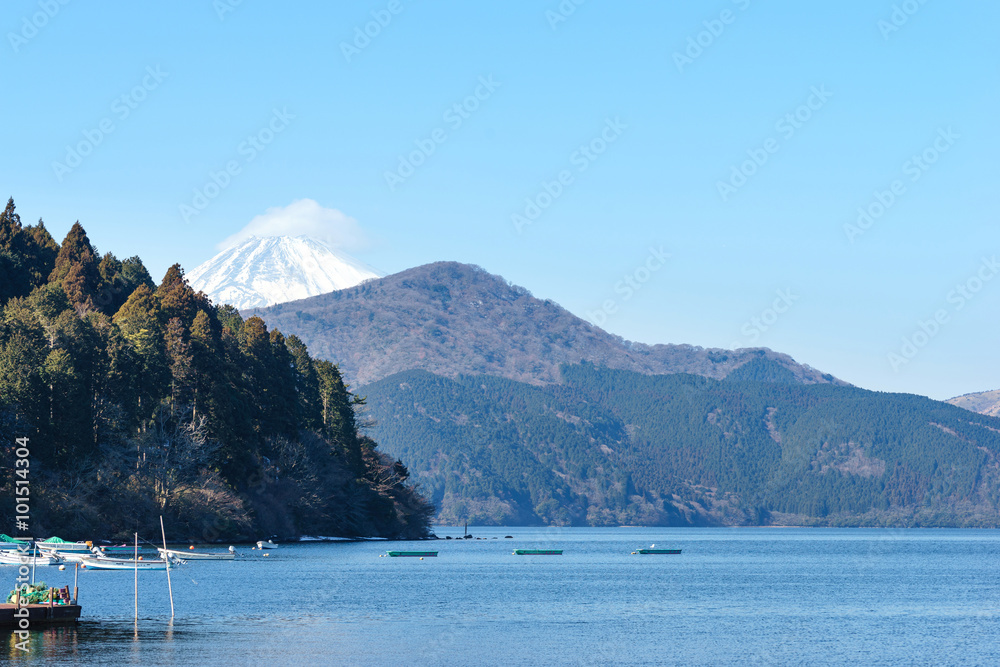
40,614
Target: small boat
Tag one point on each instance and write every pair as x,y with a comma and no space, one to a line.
196,555
8,557
7,542
106,563
59,544
117,549
537,552
672,552
266,545
412,554
72,556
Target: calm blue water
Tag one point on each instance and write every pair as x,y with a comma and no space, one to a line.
735,596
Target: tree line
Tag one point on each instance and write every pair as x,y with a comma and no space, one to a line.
141,399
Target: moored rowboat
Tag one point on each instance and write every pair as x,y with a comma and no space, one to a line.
196,555
59,544
416,554
672,552
15,557
105,563
537,552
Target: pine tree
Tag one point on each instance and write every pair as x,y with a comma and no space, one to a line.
23,348
283,406
42,253
177,299
306,384
339,421
181,360
20,257
135,274
76,269
139,322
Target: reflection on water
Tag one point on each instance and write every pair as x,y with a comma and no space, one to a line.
735,596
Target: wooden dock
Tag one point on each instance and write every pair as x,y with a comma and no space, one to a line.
40,614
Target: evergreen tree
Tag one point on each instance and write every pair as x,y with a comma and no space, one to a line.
307,391
135,274
43,253
181,360
139,321
339,422
76,269
177,299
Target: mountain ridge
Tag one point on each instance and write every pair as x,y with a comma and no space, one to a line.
614,447
451,318
983,402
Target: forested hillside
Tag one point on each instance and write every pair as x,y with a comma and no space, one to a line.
450,318
984,402
613,447
141,399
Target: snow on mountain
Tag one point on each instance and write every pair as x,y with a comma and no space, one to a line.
264,271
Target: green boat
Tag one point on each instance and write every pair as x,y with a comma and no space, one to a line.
672,552
537,552
412,554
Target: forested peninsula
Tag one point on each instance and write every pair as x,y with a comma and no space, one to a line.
140,400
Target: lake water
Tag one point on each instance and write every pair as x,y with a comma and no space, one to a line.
740,596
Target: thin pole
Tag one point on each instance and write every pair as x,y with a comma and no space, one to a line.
135,565
166,558
76,580
34,559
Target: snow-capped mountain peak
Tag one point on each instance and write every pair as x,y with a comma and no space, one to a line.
264,271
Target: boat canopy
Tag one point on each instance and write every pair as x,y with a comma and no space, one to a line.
57,540
8,538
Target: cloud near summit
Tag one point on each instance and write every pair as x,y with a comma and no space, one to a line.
303,217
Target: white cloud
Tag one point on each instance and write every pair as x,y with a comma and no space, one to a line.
303,217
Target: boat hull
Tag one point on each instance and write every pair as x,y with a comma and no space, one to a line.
667,552
412,554
122,564
16,558
64,546
196,555
538,552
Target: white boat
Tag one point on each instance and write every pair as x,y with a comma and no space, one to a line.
8,557
196,555
74,556
266,545
105,563
8,543
54,544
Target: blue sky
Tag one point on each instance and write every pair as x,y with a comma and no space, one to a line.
763,260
